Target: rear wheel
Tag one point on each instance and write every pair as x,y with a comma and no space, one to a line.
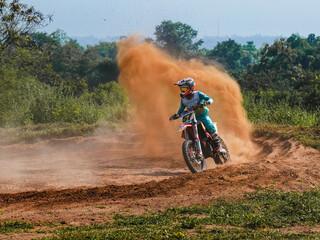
221,158
189,153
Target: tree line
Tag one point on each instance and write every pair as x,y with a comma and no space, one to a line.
65,81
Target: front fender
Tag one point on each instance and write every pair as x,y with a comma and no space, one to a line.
183,127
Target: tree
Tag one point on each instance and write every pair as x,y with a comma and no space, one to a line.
250,54
98,64
227,53
107,50
276,68
17,49
313,40
105,71
17,21
177,38
47,41
78,68
295,41
306,49
66,59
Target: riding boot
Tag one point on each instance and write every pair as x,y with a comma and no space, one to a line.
217,143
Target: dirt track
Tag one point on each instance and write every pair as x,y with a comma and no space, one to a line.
64,180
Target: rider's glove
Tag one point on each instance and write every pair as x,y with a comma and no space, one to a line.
174,117
206,103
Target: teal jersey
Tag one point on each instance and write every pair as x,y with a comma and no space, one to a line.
198,97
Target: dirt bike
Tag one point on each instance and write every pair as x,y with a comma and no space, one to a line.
198,144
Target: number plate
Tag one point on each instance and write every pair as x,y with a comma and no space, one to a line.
186,118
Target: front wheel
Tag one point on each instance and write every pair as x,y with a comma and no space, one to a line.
189,153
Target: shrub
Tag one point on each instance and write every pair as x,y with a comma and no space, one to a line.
279,107
24,101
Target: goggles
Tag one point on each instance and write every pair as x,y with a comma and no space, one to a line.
184,89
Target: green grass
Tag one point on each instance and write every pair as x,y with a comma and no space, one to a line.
100,207
261,209
15,226
264,214
167,233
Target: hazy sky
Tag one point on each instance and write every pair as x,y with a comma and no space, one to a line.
103,18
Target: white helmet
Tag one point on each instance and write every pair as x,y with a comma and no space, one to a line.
186,86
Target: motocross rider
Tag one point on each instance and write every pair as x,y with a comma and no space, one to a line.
191,98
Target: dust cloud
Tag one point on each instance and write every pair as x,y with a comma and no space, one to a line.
148,75
47,164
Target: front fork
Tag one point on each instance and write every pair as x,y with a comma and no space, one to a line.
197,139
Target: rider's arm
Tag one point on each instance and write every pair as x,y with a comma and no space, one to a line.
181,108
204,97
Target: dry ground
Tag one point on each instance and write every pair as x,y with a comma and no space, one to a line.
79,180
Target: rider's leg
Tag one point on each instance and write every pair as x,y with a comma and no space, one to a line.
212,130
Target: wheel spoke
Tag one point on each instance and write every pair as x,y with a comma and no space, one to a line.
195,162
189,153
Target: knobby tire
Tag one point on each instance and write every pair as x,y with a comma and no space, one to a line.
190,160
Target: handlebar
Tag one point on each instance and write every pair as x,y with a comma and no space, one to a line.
199,105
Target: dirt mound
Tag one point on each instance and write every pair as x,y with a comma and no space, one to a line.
281,163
